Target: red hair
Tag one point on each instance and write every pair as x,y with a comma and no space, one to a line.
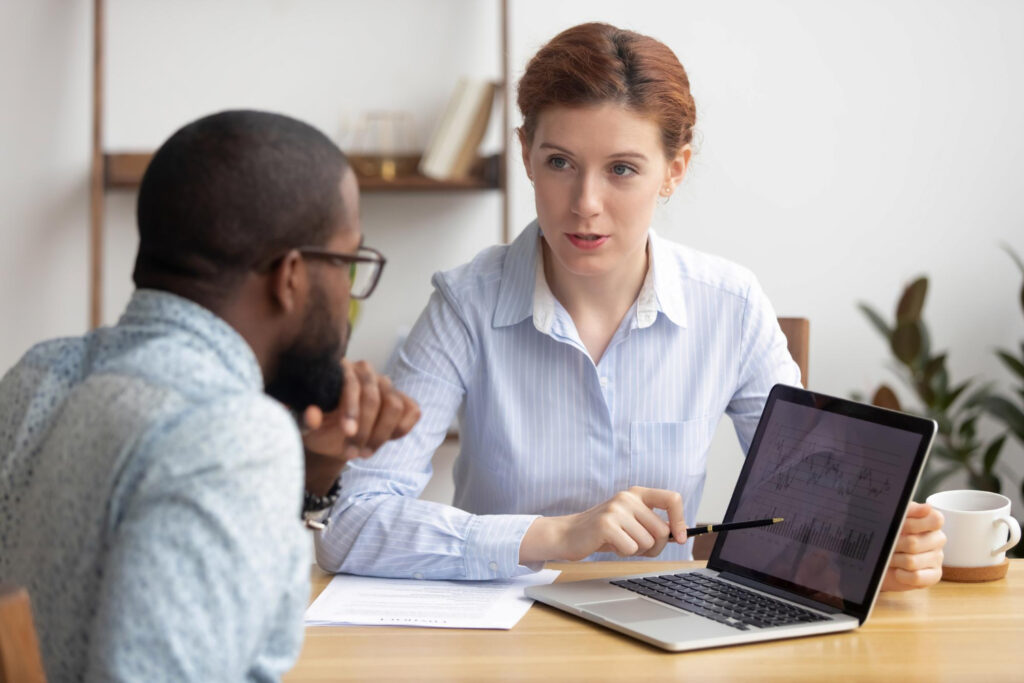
596,63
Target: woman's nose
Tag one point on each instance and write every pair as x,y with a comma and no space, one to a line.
587,201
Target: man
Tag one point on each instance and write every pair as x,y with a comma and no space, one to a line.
150,490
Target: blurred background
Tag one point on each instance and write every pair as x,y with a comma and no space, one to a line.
843,149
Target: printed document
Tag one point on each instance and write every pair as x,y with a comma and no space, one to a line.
362,600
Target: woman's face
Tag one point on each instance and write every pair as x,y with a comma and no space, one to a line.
597,173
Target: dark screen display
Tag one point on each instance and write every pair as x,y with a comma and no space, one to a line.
838,482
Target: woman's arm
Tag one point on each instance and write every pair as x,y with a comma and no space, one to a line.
379,527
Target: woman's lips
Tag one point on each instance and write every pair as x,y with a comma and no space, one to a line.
581,241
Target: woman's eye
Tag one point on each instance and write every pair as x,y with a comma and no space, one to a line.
558,162
623,170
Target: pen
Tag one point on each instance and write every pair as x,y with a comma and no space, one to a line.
709,528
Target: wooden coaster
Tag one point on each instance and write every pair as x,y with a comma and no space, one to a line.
975,574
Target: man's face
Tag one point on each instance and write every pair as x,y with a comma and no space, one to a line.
309,371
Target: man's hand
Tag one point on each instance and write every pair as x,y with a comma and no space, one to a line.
626,524
917,560
370,413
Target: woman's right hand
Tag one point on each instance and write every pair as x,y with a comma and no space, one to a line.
626,524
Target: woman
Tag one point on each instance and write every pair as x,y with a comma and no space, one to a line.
588,362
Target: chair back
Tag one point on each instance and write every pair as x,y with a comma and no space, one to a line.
798,338
19,649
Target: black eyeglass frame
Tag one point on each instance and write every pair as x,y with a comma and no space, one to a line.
340,259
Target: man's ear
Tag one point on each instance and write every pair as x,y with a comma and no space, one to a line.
524,145
288,283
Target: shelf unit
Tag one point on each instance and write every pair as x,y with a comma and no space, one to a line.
123,170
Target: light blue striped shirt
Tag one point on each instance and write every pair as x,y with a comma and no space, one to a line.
543,430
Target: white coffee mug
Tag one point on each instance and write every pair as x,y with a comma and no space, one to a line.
979,529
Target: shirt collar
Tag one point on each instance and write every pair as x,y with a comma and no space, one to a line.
152,308
524,290
666,278
518,278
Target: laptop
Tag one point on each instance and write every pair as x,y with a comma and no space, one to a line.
840,474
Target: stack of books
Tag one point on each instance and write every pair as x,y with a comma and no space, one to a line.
453,146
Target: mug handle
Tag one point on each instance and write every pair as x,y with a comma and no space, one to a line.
1013,527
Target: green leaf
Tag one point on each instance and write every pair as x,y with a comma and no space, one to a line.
912,302
926,344
876,320
940,451
885,398
967,429
1009,250
906,342
933,366
1012,363
952,396
926,393
978,396
985,482
931,480
992,454
1007,413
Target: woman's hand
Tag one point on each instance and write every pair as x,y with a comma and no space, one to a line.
917,560
626,524
370,413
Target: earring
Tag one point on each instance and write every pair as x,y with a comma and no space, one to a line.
666,194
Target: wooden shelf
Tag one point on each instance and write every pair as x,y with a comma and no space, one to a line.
123,171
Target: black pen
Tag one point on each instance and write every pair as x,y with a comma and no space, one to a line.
730,526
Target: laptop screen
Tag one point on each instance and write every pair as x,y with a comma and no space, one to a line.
841,475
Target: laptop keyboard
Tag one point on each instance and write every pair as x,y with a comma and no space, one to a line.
720,600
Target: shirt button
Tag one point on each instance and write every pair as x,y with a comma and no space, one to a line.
604,382
493,566
418,576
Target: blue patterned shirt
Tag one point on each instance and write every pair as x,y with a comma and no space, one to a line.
543,430
149,500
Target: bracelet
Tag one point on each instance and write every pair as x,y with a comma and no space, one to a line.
312,504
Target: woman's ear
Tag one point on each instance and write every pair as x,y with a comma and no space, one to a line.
677,167
288,282
525,146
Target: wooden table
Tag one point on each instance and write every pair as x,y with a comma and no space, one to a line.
951,632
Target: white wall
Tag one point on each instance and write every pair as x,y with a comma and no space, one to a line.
844,148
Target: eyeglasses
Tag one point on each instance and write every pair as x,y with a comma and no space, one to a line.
364,267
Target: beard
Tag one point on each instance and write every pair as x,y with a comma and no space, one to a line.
309,371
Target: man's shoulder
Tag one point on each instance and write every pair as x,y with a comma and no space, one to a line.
230,430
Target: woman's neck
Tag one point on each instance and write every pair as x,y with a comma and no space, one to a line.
598,303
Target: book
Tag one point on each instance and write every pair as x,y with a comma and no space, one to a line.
453,145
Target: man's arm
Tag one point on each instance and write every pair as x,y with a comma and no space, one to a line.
206,577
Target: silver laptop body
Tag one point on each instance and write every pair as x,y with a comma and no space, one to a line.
841,474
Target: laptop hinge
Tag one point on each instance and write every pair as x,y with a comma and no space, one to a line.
780,593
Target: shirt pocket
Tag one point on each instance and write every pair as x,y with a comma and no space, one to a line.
666,455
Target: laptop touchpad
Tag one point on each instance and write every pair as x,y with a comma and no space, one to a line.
632,610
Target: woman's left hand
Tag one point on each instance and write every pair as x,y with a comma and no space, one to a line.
917,560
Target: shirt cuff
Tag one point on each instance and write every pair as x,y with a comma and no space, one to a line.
492,547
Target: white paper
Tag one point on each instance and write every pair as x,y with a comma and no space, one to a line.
362,600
